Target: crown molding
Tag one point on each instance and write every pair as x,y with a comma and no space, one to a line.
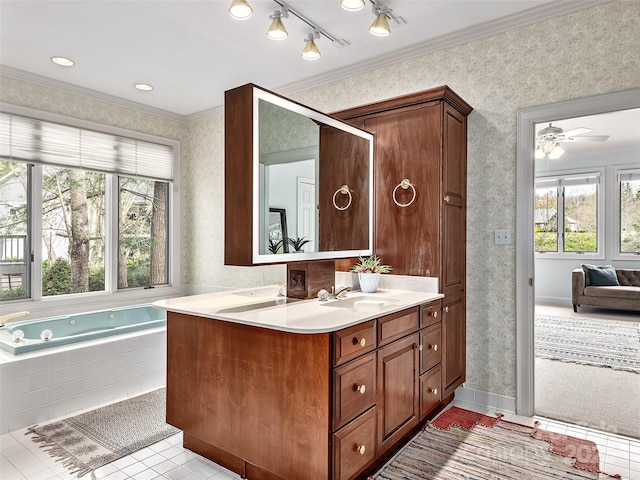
17,74
525,18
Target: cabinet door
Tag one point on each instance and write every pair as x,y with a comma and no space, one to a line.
397,398
454,191
407,146
454,342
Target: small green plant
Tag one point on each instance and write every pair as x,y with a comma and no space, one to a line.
275,246
370,264
298,243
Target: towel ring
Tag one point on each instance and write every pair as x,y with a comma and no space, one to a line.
344,190
404,184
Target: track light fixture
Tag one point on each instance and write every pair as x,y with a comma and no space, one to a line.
276,30
310,50
380,26
240,9
352,5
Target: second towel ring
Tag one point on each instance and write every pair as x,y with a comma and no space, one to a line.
344,190
404,184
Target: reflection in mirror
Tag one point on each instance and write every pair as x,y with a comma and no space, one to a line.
318,173
278,236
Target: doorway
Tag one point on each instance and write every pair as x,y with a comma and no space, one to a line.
525,265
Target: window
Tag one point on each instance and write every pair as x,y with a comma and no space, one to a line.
83,212
629,204
567,214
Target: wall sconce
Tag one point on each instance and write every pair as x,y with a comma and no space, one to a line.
310,50
276,30
352,5
240,9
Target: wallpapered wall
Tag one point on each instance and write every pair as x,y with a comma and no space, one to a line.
591,52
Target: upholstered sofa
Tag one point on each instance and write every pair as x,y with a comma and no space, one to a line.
625,296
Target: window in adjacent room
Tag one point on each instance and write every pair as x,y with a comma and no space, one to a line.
629,212
567,214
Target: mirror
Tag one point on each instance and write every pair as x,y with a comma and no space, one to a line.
315,173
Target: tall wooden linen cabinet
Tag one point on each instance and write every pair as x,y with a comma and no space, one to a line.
420,183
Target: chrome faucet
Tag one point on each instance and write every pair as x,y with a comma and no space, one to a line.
341,293
7,318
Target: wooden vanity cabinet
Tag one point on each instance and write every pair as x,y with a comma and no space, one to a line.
422,137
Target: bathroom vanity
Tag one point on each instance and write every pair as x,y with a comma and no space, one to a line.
303,390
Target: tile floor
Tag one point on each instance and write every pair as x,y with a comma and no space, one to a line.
22,459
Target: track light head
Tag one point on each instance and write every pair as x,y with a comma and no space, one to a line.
240,9
310,50
276,30
380,26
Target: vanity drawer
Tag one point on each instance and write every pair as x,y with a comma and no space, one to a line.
397,325
430,391
431,313
352,342
430,347
354,446
354,389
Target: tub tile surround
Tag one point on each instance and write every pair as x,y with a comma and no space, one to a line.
62,381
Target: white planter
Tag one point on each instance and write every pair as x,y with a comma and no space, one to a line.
369,282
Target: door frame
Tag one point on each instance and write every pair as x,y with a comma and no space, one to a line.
525,177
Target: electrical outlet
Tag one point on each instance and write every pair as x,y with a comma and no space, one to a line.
502,236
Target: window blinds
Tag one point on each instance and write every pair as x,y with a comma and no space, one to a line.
581,179
37,141
628,175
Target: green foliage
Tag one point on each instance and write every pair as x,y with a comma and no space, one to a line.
371,264
96,279
56,277
19,292
297,243
275,246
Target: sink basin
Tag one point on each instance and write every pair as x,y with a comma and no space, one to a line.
258,292
260,305
362,303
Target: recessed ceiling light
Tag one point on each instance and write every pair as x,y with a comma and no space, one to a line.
65,62
144,87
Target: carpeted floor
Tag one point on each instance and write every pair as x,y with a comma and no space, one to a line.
90,440
461,444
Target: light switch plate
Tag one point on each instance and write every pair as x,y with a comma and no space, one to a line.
502,236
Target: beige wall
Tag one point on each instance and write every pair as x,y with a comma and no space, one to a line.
579,55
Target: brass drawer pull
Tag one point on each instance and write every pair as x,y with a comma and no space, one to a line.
434,391
361,389
361,341
434,347
446,309
420,347
361,449
446,199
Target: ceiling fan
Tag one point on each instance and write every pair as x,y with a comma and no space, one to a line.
549,138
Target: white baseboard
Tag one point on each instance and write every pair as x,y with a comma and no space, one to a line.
501,403
561,302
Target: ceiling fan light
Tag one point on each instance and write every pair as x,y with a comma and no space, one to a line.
310,50
539,154
240,9
276,30
380,26
352,5
556,152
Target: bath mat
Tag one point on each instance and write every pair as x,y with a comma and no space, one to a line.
599,343
90,440
460,444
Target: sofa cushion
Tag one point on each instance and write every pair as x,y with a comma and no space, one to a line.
600,275
628,277
613,292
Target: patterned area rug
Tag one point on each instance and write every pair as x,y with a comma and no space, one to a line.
600,343
461,444
93,439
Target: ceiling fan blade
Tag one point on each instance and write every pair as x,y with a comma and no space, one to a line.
576,131
590,138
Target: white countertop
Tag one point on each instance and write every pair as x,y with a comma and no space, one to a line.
262,307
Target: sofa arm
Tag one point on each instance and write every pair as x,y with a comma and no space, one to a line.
577,284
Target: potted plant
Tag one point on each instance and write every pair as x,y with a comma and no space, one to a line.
369,270
298,243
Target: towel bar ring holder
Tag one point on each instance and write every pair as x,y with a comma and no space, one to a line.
344,190
405,184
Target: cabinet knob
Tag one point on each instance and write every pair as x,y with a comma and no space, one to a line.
434,347
435,314
361,341
446,198
361,389
446,309
434,391
420,347
361,449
